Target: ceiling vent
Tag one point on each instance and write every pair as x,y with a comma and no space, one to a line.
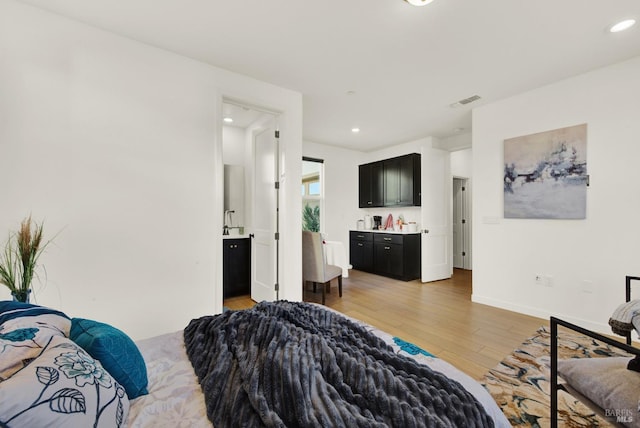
470,99
465,101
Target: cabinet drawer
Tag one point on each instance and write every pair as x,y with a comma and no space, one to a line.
361,236
387,238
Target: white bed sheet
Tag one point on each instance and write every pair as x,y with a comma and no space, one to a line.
176,400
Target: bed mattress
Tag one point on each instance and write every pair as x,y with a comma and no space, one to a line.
175,398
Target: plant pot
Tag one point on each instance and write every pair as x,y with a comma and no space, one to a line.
21,296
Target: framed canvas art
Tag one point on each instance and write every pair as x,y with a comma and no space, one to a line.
545,174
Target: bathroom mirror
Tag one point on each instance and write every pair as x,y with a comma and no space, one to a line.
233,197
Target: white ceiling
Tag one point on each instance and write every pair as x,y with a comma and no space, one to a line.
406,64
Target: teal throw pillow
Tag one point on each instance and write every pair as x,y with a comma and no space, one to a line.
116,351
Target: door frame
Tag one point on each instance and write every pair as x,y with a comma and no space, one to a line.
289,109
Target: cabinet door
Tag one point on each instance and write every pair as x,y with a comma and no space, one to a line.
361,255
388,259
391,182
370,185
402,181
406,174
377,184
236,273
364,186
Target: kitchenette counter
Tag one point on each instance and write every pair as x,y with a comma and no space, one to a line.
401,232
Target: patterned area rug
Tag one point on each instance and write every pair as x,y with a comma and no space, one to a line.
520,384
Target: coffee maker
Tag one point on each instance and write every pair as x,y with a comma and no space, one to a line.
377,222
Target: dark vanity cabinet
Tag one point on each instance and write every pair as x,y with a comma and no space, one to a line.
390,254
236,271
390,182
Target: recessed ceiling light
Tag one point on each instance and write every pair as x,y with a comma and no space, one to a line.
355,130
228,119
418,2
622,25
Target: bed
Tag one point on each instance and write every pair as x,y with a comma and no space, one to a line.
286,364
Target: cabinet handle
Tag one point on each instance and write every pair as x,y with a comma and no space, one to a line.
369,202
360,245
387,248
360,236
387,239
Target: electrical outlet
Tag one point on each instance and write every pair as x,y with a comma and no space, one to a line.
539,279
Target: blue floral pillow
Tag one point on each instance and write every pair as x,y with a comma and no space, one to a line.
63,387
25,331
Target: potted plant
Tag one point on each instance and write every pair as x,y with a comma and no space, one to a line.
19,261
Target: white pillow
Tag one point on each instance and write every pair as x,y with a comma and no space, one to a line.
63,387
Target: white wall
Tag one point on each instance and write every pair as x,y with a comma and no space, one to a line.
341,188
116,145
456,142
601,249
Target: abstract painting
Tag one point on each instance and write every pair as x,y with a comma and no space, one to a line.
545,174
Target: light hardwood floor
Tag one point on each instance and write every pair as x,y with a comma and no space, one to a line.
438,317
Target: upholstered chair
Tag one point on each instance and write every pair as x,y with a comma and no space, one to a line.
314,266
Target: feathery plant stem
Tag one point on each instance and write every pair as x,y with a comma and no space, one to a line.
19,262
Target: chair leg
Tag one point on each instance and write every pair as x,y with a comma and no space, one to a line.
328,284
314,286
340,285
324,289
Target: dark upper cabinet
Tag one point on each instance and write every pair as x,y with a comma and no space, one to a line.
371,185
391,182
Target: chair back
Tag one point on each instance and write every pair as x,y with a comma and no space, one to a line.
313,263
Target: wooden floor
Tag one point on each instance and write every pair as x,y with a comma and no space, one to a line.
438,317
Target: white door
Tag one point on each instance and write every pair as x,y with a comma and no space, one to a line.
436,215
265,219
458,223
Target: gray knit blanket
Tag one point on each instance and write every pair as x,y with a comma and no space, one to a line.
285,364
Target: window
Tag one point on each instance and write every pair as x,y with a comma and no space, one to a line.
312,194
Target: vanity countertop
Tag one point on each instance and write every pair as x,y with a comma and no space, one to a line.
245,236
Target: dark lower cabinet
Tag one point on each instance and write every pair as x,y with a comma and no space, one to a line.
236,270
361,251
393,255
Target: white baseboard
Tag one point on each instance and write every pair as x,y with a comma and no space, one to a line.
541,313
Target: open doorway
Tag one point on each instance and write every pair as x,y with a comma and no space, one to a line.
461,224
250,154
